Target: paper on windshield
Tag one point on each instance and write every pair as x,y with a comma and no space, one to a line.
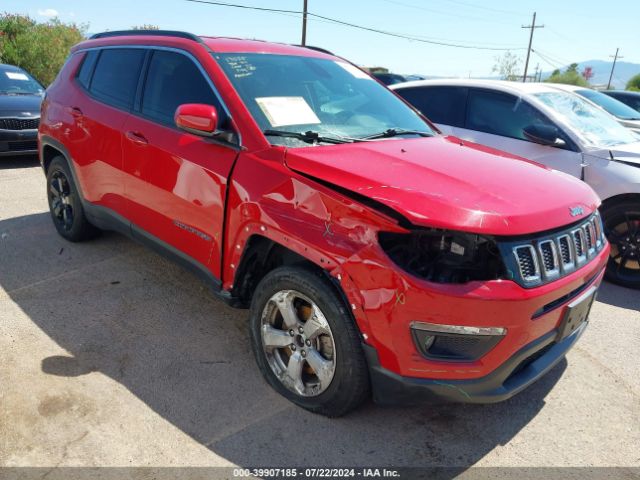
281,111
356,72
16,76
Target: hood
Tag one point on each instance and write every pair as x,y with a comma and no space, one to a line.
627,153
443,182
18,105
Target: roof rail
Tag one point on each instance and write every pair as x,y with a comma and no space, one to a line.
155,33
317,49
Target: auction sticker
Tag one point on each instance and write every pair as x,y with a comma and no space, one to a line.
16,76
282,111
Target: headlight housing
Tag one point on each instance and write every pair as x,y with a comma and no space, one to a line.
443,256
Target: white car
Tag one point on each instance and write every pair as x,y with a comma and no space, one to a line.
553,127
626,115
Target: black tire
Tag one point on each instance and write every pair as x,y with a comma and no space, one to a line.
65,205
349,385
622,228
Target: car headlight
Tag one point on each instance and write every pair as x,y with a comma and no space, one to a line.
444,256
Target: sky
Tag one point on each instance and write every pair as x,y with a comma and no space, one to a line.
573,30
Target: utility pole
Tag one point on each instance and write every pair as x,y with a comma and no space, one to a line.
533,26
304,23
615,59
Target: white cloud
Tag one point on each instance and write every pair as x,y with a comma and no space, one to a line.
48,12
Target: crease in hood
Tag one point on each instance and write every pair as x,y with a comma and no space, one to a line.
444,182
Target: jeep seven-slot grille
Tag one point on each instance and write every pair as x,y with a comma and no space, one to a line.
548,257
19,123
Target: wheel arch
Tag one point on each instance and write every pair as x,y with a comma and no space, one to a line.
262,255
50,149
621,198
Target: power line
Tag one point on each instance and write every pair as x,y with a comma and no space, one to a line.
438,12
545,59
497,10
353,25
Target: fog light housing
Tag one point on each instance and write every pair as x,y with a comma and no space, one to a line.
455,343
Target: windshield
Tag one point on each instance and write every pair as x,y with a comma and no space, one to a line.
305,94
594,126
611,105
18,83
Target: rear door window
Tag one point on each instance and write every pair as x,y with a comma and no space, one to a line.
116,75
501,114
444,105
174,79
85,71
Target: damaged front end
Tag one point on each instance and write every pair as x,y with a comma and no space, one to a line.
443,256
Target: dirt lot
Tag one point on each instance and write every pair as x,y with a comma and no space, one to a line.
111,355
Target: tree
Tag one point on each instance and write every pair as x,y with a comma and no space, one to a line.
508,66
570,76
634,83
39,48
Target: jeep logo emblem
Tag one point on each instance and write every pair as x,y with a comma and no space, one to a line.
575,211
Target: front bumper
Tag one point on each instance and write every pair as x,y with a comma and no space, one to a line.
521,370
18,142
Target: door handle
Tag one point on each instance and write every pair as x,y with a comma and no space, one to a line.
75,112
136,138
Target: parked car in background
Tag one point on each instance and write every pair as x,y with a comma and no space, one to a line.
20,98
631,99
626,115
389,78
373,253
556,128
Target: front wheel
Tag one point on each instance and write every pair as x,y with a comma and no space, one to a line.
306,343
622,228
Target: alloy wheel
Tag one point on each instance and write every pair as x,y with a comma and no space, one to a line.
60,199
623,233
298,343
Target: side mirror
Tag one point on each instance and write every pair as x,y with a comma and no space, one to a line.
544,135
197,118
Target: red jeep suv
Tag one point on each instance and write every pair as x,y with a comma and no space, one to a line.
377,256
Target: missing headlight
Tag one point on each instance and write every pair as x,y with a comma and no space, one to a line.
444,256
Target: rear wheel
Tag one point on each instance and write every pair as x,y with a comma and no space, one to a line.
64,203
622,228
306,343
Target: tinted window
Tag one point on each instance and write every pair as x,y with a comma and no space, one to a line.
390,78
631,99
501,114
116,76
445,105
173,79
84,74
611,105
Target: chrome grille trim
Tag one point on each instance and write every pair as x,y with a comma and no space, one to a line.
550,269
580,245
528,274
567,262
547,257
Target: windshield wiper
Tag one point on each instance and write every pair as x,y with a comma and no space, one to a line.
394,132
308,136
